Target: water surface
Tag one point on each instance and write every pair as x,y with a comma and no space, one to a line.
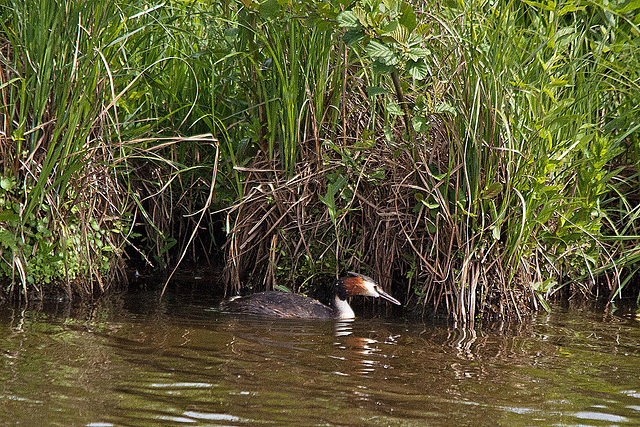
132,360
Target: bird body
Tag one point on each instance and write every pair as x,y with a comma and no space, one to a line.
290,305
280,304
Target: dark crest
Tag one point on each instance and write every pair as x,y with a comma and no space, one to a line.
341,288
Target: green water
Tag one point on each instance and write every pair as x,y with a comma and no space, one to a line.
134,361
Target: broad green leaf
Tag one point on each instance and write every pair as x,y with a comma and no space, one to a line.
420,123
6,183
231,32
336,186
408,17
391,4
418,70
168,244
375,90
388,133
376,49
329,198
8,215
390,27
431,203
361,15
348,19
270,9
417,53
394,109
443,107
564,36
381,52
380,68
495,232
400,34
422,29
543,302
8,240
492,190
353,36
371,4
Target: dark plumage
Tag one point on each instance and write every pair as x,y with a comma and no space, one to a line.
280,304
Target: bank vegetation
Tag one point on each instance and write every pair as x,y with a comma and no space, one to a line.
477,158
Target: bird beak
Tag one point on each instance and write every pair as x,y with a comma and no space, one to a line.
383,294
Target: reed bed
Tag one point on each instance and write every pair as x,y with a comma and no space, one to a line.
478,159
85,161
60,202
478,187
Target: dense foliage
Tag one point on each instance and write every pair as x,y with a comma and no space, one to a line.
475,156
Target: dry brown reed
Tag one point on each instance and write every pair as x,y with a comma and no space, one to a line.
167,203
381,227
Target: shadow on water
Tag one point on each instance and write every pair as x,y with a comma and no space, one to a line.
134,360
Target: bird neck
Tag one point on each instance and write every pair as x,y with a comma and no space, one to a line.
343,309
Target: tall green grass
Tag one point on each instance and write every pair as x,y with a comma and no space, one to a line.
539,101
60,204
548,118
528,108
483,153
86,142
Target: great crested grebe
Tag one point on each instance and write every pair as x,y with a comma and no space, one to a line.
286,304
